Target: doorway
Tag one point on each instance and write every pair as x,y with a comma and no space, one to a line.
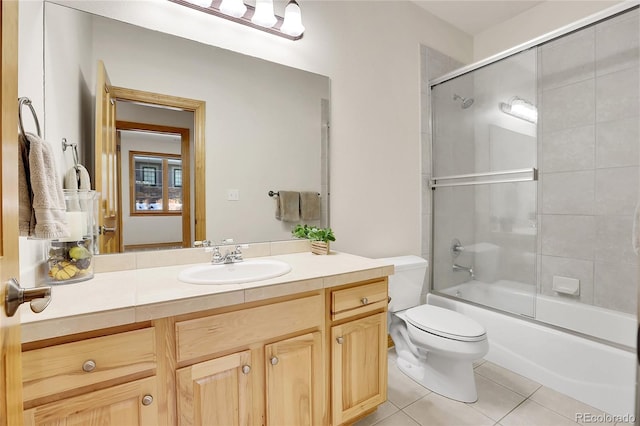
154,197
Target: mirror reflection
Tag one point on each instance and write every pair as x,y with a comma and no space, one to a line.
252,127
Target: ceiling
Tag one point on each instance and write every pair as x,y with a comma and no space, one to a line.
475,16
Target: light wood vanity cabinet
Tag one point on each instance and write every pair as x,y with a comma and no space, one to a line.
217,392
127,404
317,358
76,382
273,377
358,349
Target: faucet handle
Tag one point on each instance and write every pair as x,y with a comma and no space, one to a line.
238,253
217,256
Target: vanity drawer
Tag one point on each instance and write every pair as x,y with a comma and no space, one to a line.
68,366
204,337
358,299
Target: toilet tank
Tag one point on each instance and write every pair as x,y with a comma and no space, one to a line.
405,285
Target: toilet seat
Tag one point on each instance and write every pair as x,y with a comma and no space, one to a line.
445,323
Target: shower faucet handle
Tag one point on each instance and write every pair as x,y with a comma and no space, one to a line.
456,247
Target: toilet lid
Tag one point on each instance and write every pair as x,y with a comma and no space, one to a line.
445,323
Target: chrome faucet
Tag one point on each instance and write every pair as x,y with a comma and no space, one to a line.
230,256
469,270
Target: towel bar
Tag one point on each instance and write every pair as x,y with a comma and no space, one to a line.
276,194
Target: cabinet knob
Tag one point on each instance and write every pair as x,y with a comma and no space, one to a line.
246,369
340,340
274,360
89,366
364,300
147,400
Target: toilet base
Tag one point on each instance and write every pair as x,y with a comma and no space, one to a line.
445,376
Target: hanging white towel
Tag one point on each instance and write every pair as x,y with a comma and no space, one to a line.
42,210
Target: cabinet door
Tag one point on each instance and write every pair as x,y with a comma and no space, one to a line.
295,381
127,404
216,392
359,367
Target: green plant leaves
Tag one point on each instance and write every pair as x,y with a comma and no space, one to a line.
313,233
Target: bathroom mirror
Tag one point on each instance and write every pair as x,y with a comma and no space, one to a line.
265,125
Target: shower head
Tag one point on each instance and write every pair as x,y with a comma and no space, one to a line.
466,102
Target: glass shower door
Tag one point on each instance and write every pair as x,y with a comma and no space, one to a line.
484,185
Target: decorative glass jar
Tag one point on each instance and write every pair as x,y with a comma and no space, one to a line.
70,259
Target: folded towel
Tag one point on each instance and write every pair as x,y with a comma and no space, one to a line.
309,205
42,208
77,177
288,206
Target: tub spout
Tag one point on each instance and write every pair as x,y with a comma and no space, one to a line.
469,270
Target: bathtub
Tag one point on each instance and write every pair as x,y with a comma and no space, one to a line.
596,373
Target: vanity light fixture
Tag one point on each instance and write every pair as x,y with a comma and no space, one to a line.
292,24
520,108
235,8
260,17
263,14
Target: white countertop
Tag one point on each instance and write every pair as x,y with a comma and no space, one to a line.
124,297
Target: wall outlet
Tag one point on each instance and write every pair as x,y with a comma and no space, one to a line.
233,195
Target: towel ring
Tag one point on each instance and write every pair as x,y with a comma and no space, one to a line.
27,102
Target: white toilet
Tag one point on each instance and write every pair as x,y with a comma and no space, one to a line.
436,347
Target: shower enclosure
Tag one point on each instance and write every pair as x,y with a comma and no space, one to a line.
484,184
534,179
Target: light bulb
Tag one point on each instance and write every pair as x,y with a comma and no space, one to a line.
292,24
263,15
201,3
235,8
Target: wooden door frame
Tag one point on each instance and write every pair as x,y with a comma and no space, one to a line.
10,349
185,153
198,109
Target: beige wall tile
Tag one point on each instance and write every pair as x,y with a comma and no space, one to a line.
617,143
568,150
568,236
568,193
114,262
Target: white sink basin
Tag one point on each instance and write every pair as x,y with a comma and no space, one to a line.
233,273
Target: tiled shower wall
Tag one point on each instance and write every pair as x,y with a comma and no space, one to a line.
588,92
588,151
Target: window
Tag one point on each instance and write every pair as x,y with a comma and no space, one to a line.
177,177
155,183
149,175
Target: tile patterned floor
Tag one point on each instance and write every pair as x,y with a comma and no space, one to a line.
504,399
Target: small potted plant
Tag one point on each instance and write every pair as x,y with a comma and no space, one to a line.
320,237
